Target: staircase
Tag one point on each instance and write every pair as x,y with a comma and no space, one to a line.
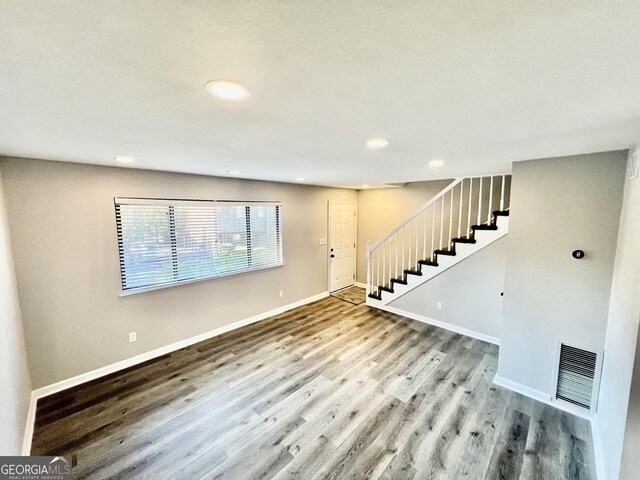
469,214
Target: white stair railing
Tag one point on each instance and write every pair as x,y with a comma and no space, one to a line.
465,202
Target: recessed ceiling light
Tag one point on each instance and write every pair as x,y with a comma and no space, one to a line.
436,163
377,143
300,179
364,186
233,172
228,90
123,159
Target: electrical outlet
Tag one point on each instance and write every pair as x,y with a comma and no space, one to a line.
281,293
133,337
439,305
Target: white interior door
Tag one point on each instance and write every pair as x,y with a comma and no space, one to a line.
342,245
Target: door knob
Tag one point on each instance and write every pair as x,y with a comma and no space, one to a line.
333,256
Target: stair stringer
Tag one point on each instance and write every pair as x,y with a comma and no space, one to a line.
483,239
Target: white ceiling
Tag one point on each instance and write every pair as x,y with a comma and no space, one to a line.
477,83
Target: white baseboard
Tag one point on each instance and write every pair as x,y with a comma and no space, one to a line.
28,429
522,389
539,396
438,323
598,449
158,352
360,284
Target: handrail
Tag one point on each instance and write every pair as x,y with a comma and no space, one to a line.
505,174
420,209
431,201
408,232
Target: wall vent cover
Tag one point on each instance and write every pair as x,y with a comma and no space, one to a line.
577,371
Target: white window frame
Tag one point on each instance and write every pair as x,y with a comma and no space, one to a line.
182,202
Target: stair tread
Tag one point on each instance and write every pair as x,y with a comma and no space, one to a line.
430,263
413,272
446,251
484,227
464,240
433,260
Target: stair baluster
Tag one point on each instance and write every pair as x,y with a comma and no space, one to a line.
389,265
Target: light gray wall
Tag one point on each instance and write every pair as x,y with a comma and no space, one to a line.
620,348
66,254
15,384
382,209
631,446
558,205
469,291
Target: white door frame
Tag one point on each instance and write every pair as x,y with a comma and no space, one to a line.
355,240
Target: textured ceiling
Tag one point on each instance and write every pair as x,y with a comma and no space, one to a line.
477,83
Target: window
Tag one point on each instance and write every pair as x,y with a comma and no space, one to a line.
167,242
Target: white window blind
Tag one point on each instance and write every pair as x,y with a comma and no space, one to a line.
166,242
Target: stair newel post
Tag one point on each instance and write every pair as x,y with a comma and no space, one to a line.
378,268
450,217
490,201
387,251
417,241
433,229
410,242
403,247
387,261
441,218
390,260
470,201
480,202
460,209
396,240
424,239
413,260
502,194
369,267
384,264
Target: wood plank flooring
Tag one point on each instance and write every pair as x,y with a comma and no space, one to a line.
329,390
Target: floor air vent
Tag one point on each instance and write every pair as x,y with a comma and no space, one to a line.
577,372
